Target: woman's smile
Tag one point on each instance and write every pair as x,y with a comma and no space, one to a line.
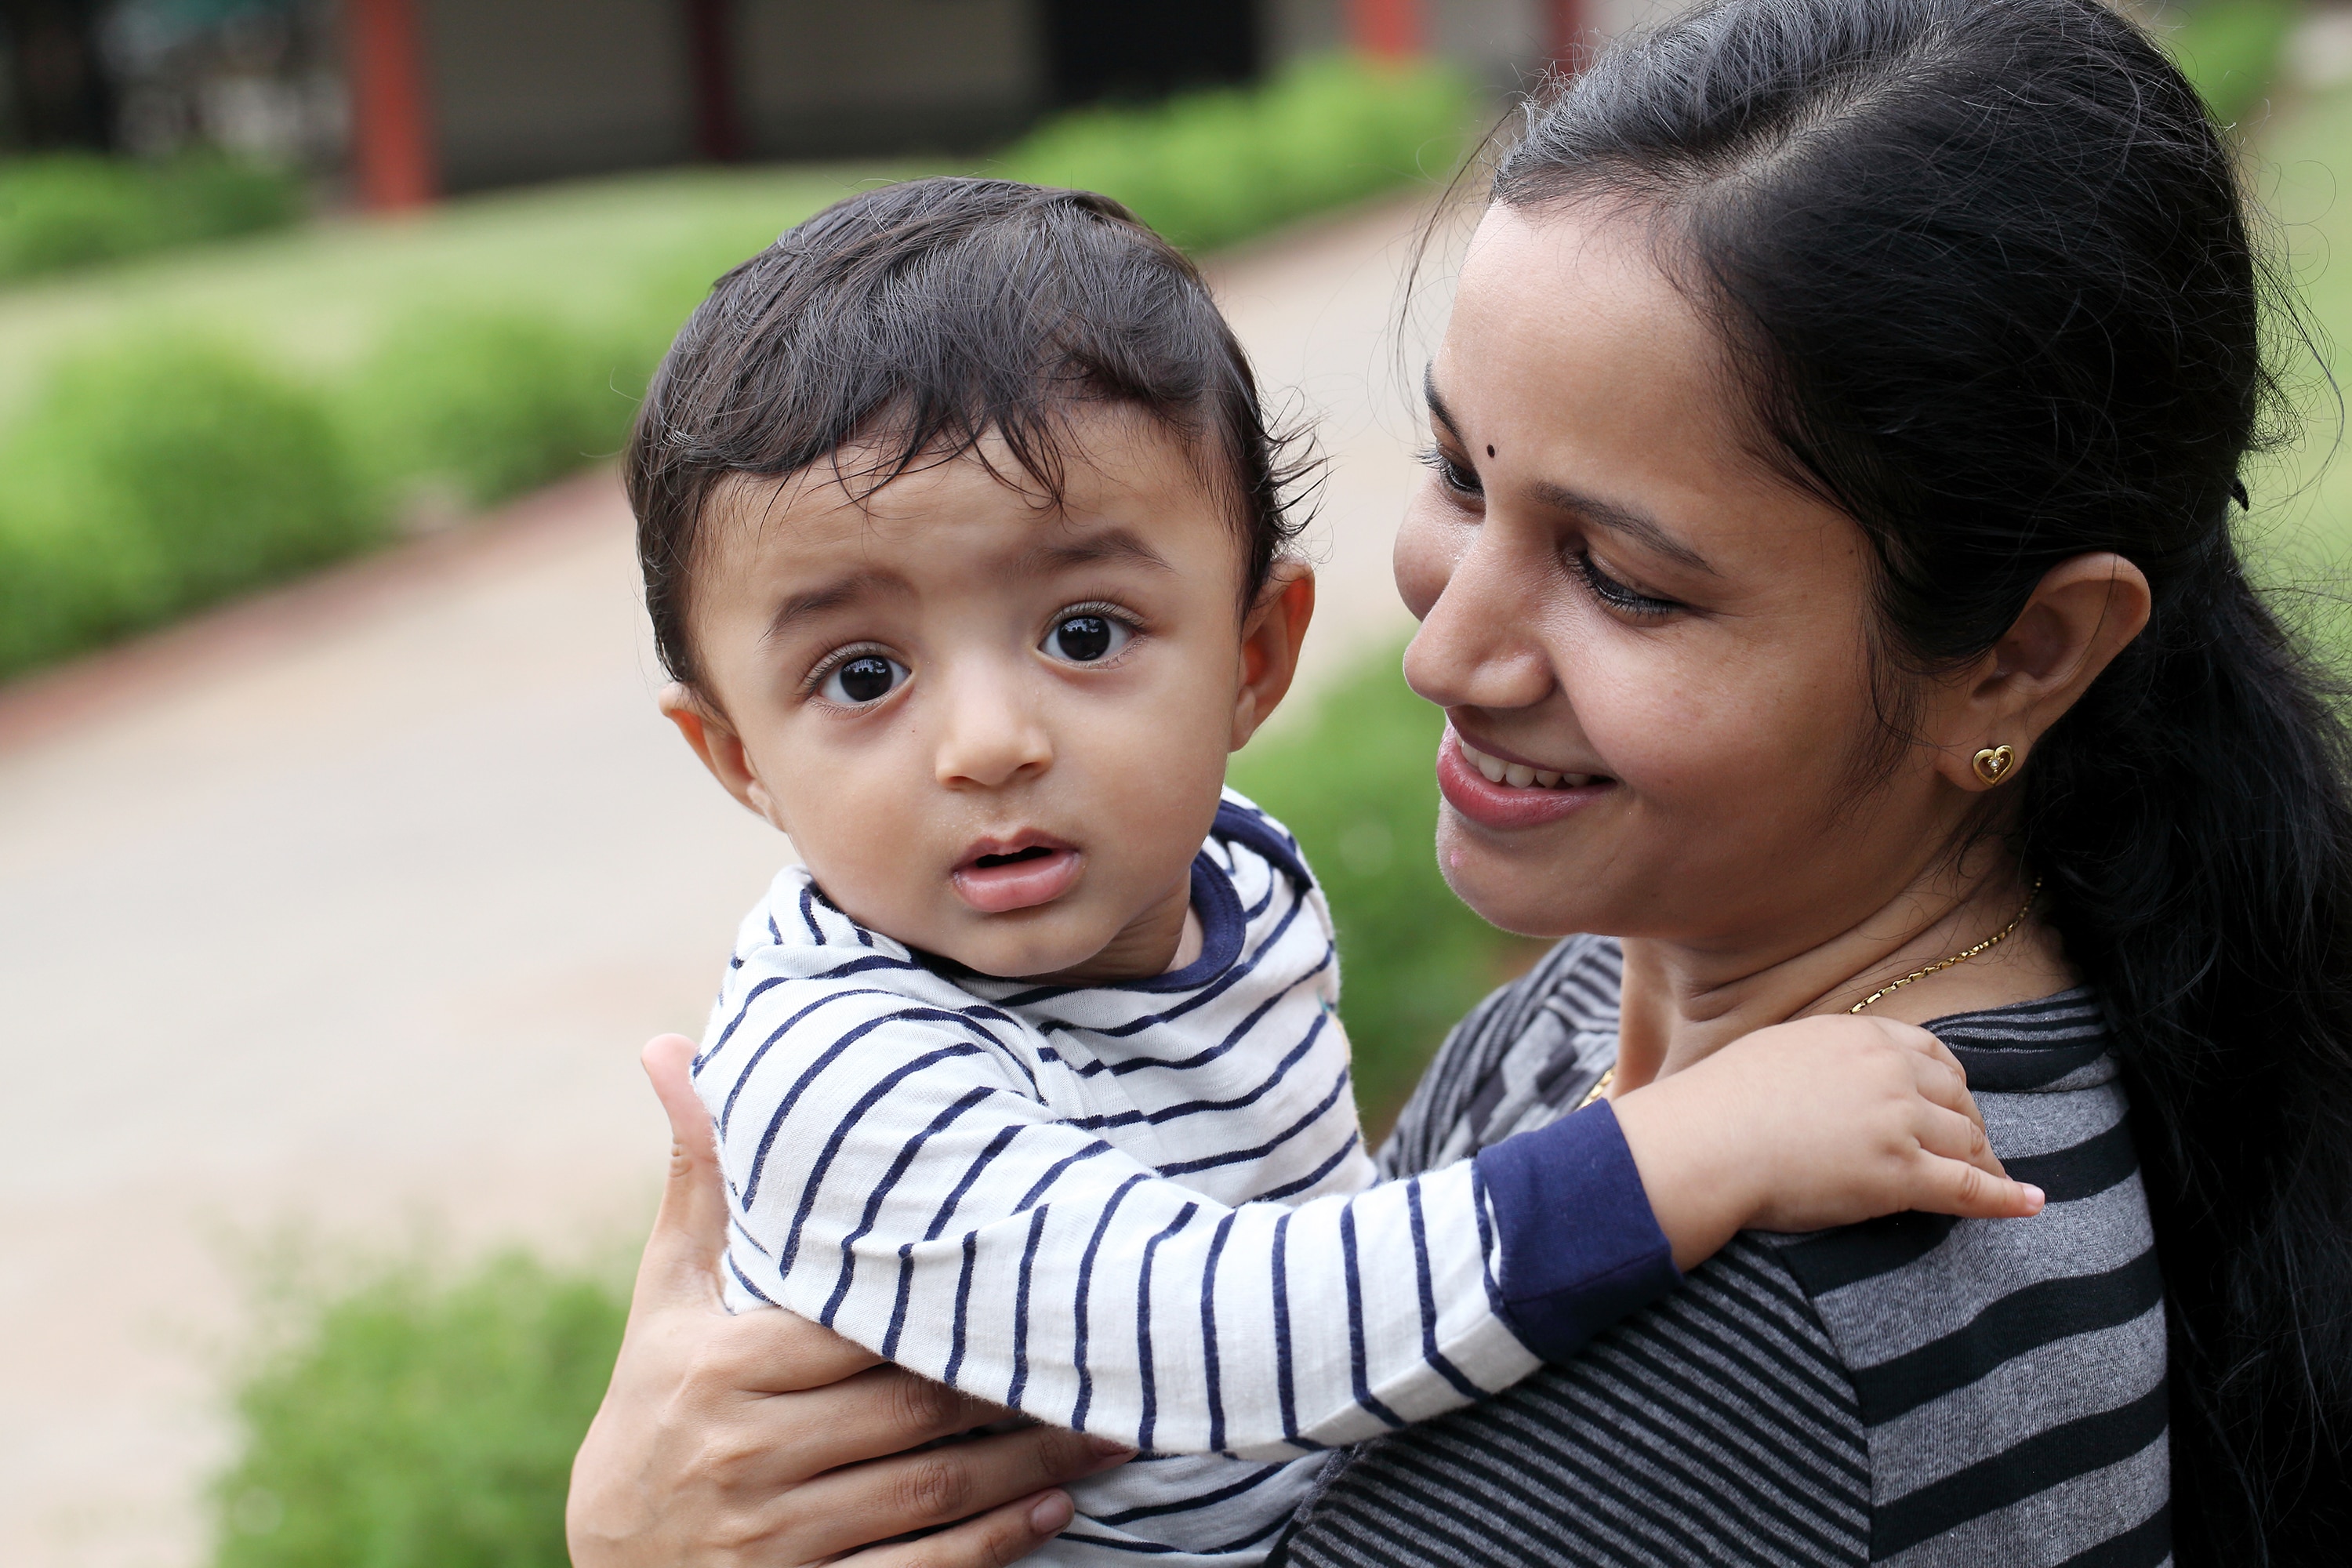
1494,793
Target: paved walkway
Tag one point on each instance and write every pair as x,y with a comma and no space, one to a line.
348,910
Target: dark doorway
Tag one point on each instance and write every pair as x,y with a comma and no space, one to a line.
1131,48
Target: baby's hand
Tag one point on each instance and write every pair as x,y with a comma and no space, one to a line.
1806,1125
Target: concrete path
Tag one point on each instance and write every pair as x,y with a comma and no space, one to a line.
348,910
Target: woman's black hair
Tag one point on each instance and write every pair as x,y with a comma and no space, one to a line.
916,319
1989,269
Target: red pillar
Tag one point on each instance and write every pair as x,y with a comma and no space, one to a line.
710,60
1385,29
1568,30
391,134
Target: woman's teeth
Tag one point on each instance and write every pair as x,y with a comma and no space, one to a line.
1517,775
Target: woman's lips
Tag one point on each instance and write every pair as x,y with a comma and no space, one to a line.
1018,875
1507,804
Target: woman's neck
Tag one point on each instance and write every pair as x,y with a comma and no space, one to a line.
1683,1003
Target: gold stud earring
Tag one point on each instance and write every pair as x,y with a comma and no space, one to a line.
1992,763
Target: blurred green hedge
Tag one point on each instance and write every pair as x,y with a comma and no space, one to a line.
421,1424
157,473
1207,169
60,211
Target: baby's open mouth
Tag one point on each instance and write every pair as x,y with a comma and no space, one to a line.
1000,875
1035,852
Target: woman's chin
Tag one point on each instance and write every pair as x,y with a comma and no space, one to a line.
1505,889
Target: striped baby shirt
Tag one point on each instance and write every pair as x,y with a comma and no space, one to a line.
1144,1209
1919,1390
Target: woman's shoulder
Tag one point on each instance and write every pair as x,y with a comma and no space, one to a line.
2011,1375
1531,1050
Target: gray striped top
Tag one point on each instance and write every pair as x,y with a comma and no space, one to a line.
1916,1390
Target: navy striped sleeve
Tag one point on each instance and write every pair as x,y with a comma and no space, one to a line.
1580,1247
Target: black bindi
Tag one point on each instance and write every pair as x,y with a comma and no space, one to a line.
1490,449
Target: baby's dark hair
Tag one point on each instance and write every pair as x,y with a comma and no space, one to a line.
915,320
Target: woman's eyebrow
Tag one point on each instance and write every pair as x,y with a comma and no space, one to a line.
1644,531
1438,412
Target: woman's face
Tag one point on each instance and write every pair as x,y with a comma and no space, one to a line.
1613,589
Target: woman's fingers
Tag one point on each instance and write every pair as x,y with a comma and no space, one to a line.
772,1351
886,1410
680,1267
1000,1536
847,1508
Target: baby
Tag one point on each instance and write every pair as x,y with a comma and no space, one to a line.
964,539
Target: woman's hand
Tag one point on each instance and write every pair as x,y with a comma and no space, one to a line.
1809,1124
764,1439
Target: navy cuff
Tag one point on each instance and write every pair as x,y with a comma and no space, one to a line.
1580,1247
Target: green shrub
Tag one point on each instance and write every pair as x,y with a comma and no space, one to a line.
156,474
2232,49
490,401
422,1425
1209,168
1357,784
67,210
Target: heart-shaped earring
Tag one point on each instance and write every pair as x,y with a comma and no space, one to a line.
1994,764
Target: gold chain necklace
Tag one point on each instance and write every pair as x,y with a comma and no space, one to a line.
1609,1074
1995,939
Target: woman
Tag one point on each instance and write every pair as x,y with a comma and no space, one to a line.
1836,434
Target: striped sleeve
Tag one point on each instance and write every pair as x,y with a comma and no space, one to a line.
894,1178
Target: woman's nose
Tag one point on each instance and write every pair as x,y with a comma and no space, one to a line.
990,732
1480,644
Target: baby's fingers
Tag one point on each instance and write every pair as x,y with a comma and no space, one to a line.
1955,1136
1956,1187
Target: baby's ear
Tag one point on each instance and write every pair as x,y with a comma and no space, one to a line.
1271,636
714,740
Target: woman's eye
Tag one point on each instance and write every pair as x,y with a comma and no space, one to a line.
1618,596
1455,474
1085,639
868,677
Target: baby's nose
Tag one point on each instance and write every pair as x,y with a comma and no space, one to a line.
991,738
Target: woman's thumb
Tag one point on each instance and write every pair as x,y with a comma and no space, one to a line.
681,1261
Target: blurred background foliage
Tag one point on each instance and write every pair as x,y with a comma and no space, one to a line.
61,211
419,1420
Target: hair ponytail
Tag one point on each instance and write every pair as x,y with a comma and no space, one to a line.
1989,267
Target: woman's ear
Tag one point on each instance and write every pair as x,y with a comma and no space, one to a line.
721,750
2081,614
1271,636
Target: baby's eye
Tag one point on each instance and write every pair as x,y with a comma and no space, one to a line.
1084,639
868,677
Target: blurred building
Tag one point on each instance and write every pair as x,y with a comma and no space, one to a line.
412,97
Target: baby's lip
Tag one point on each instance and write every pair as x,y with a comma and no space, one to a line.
1017,871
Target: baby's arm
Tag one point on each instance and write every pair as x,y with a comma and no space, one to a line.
1806,1125
910,1193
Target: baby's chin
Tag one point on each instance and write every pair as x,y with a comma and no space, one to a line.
1028,944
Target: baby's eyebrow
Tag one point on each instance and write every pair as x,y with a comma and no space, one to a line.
816,601
1111,544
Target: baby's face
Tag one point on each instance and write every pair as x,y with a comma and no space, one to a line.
993,731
